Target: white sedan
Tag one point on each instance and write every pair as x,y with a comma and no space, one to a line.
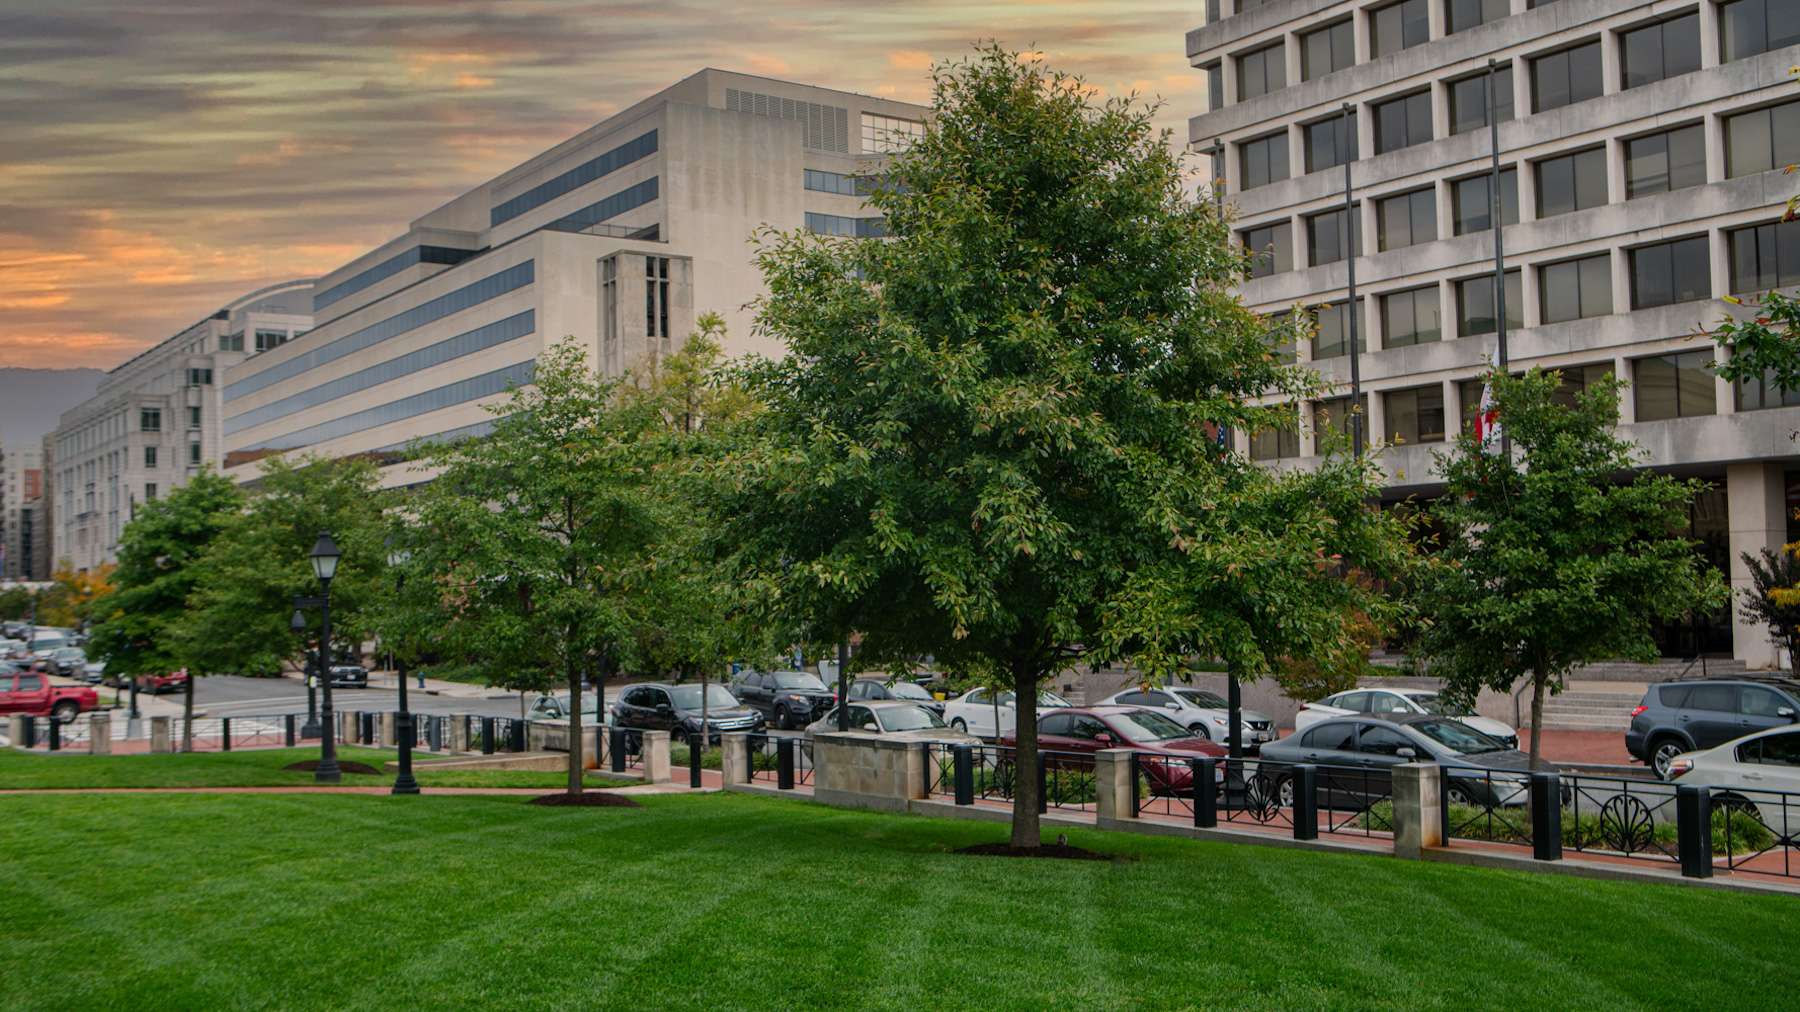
1204,713
977,710
1761,770
1398,702
895,719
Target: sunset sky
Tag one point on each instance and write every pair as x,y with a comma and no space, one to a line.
161,158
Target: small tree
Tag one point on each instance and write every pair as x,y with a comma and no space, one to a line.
66,601
1773,597
1557,555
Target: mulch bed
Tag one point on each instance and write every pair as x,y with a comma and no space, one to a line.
1058,850
343,767
587,799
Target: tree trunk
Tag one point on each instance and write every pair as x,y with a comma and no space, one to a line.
1537,718
576,768
1025,831
187,714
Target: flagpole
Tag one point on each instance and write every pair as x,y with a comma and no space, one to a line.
1496,205
1350,311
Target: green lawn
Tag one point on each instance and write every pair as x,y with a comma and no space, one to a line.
732,901
257,768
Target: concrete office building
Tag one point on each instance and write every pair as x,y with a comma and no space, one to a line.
1642,143
619,237
21,487
155,421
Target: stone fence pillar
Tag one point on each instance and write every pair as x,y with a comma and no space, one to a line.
15,729
100,734
385,731
1418,809
459,733
866,771
593,741
656,757
734,761
159,734
1112,785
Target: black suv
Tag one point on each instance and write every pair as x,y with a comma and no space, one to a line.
675,708
1684,716
787,698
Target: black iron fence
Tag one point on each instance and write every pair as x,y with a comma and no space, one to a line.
785,762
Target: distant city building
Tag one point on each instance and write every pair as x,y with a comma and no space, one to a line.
22,475
618,237
1642,143
154,422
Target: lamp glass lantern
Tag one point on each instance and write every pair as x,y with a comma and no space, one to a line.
324,558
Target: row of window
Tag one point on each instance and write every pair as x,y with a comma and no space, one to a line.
1647,53
387,269
194,457
838,224
449,395
637,148
631,197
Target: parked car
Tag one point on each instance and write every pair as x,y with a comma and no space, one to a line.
895,718
349,676
975,710
1201,712
67,661
1678,717
1760,771
548,707
1359,754
93,672
1400,702
871,689
675,708
1092,728
786,699
174,681
30,693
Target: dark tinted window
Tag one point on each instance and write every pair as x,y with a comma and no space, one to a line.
1475,304
1263,161
1326,50
1086,728
1215,87
1670,272
1757,701
1566,77
1469,100
1406,220
1261,71
1671,160
1674,386
1764,256
1571,182
1413,416
1332,337
1662,50
1340,737
1577,378
1281,443
1379,740
1402,122
1576,289
1674,696
1330,142
1762,139
1749,27
1471,201
1721,698
1781,749
1410,317
1057,724
1462,15
1271,249
1334,414
1399,26
1326,241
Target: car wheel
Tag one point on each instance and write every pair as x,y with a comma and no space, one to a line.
781,718
959,725
1662,753
1284,791
64,712
1460,794
1200,731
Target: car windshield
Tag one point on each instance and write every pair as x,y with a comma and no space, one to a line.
908,718
589,703
1458,736
797,680
1147,725
1045,698
687,697
1433,703
907,690
1203,698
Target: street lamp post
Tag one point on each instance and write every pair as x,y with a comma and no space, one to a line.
404,783
311,728
324,558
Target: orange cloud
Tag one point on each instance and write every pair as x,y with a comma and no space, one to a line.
910,59
765,64
468,80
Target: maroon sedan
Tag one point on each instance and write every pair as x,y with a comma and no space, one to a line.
1090,729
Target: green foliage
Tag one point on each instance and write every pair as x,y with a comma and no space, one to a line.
1765,345
1773,598
135,625
15,604
1558,555
245,585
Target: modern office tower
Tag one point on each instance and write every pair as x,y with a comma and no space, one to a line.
619,238
21,486
155,421
1641,145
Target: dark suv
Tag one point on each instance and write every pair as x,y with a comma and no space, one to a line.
787,698
1684,716
676,708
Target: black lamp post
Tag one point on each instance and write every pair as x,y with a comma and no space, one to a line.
324,557
404,783
311,728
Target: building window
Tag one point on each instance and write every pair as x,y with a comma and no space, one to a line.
193,416
1762,139
1571,182
1671,160
266,339
1334,414
1566,77
1325,237
1406,220
1399,26
1261,71
609,306
1415,415
888,134
1275,443
1469,100
1575,380
1472,204
1411,317
1765,256
1759,393
1271,249
1402,122
199,377
1462,15
1674,386
150,491
820,181
1281,337
1327,50
838,224
232,342
1749,27
1263,161
150,420
1331,339
1215,86
149,458
1575,289
193,454
656,296
1330,143
1670,272
1475,304
1659,51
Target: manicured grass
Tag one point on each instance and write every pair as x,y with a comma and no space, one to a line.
251,768
732,901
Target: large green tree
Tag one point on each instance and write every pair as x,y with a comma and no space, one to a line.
1557,554
135,626
992,440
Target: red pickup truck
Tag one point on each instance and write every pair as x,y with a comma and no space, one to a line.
32,694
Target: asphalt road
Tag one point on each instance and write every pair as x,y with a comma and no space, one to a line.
228,695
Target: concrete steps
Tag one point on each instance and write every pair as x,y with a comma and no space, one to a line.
1591,710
